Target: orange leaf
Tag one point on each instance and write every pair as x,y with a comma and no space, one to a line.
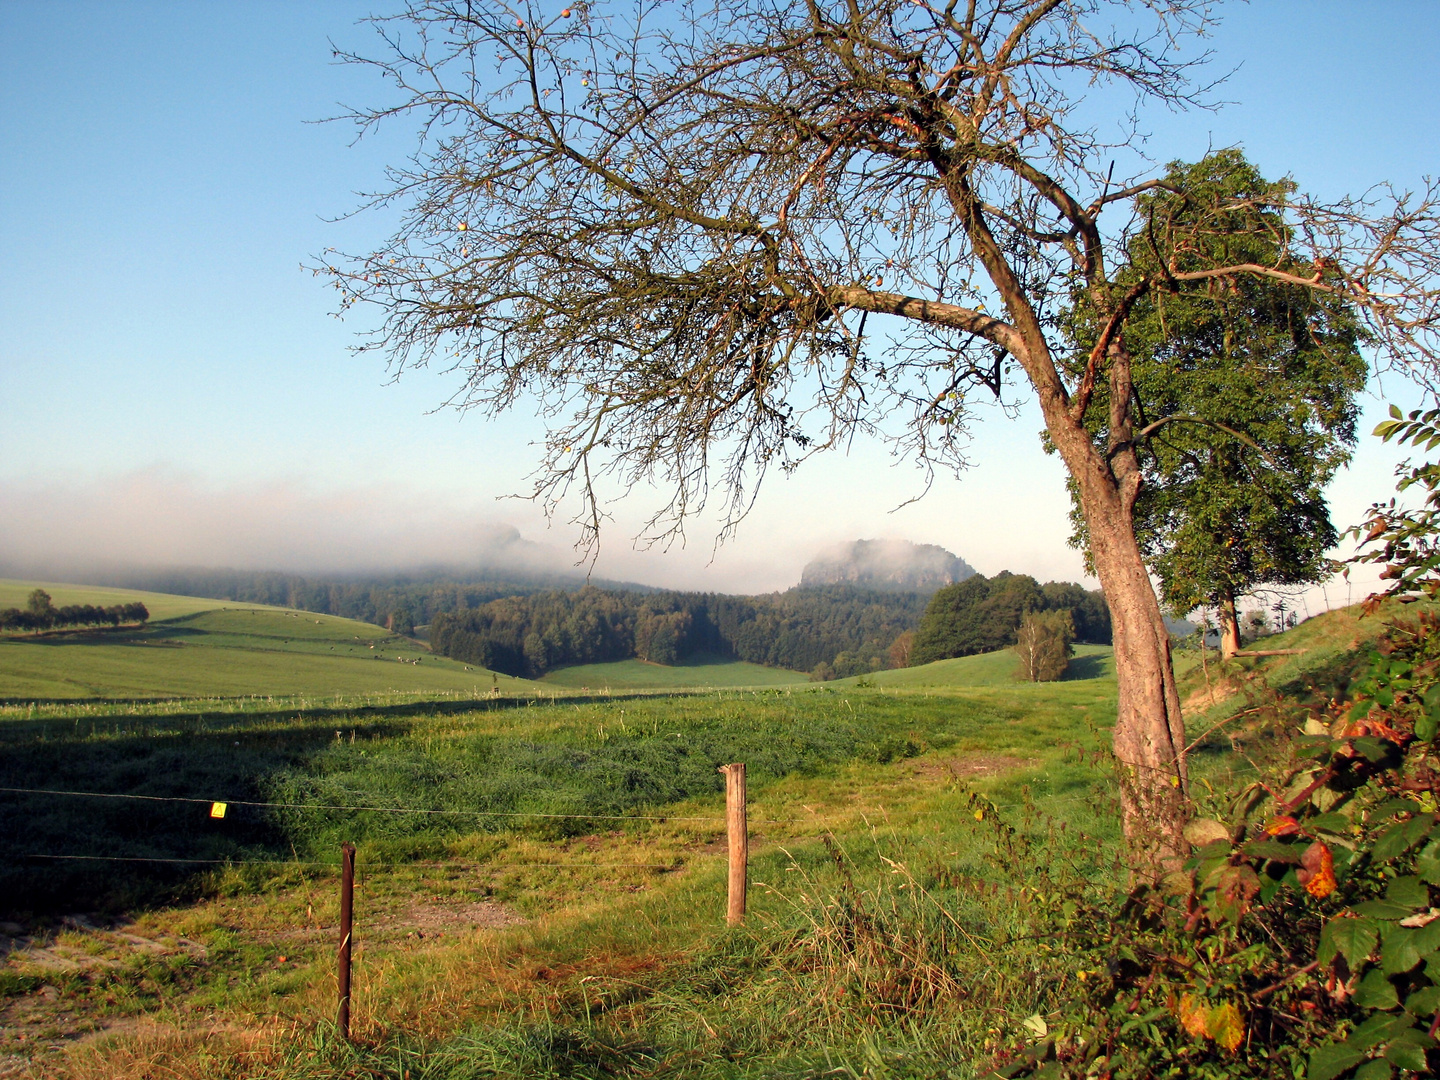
1317,871
1191,1012
1284,825
1385,731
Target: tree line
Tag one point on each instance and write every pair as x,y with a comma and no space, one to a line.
833,632
40,613
399,602
983,614
798,629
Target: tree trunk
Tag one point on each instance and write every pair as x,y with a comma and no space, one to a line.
1149,737
1229,626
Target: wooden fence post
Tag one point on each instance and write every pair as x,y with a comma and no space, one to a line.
347,913
738,836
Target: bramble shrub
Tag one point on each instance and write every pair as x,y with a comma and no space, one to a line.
1300,939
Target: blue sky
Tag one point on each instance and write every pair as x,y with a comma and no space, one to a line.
174,386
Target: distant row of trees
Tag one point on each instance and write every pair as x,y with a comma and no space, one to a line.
832,632
983,614
398,602
40,613
799,629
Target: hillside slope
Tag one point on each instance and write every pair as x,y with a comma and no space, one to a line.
199,647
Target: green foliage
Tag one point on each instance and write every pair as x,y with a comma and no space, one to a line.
1247,391
980,615
1304,925
1043,645
1302,928
849,629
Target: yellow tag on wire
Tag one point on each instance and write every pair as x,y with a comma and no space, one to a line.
217,810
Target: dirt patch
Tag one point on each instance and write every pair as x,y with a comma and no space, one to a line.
434,919
48,1012
966,767
1205,697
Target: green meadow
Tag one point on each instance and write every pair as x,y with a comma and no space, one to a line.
161,605
541,867
698,674
193,647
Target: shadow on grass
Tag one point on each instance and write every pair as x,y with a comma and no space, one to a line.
1085,667
61,852
120,635
386,777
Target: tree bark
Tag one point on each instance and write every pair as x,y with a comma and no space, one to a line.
1149,736
1229,626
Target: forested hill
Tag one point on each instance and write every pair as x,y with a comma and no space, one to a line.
399,602
530,625
888,565
845,628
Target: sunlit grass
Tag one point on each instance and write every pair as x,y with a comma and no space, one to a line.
910,834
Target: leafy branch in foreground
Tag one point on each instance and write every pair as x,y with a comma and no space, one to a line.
1407,538
1303,935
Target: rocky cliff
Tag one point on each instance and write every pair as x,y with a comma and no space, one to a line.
887,564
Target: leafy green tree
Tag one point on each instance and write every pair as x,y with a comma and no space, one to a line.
823,672
401,621
41,611
1044,645
1247,399
955,625
983,614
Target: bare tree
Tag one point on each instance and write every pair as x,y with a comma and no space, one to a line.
678,227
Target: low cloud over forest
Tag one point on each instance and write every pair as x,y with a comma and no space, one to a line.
160,518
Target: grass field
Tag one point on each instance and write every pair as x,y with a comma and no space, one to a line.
160,605
541,873
617,944
228,650
638,674
197,647
987,669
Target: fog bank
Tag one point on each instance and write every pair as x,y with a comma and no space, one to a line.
157,518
